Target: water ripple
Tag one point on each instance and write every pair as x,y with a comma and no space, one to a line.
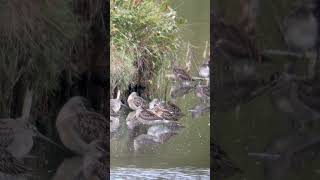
123,173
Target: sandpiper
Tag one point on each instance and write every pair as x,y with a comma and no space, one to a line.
78,127
16,142
173,108
203,92
115,104
204,70
136,102
16,136
114,124
165,114
181,74
147,117
157,105
301,32
301,27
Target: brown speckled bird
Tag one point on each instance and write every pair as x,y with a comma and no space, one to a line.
16,141
9,165
149,118
203,91
165,114
79,127
181,74
136,102
16,136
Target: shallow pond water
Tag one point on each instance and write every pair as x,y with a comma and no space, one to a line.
187,154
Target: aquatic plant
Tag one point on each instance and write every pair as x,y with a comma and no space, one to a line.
144,38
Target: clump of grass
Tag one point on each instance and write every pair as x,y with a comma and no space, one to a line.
145,36
36,37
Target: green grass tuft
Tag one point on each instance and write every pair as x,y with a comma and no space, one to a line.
145,36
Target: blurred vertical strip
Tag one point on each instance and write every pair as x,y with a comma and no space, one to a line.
212,107
106,18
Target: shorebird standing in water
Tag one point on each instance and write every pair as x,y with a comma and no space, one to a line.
203,92
301,32
16,142
93,165
136,102
115,104
204,70
149,118
114,124
181,75
79,127
160,107
166,114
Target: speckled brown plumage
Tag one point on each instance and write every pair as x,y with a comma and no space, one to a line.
11,165
135,102
166,114
78,126
92,126
147,115
181,74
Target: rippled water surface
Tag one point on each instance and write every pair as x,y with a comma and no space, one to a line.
155,174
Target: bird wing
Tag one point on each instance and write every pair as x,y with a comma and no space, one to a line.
92,126
173,107
140,102
148,116
181,73
11,165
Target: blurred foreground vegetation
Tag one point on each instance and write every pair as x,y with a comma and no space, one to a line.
52,48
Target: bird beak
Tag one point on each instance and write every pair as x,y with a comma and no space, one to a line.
49,140
124,105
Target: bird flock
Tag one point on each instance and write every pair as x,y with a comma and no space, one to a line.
81,130
86,133
159,117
